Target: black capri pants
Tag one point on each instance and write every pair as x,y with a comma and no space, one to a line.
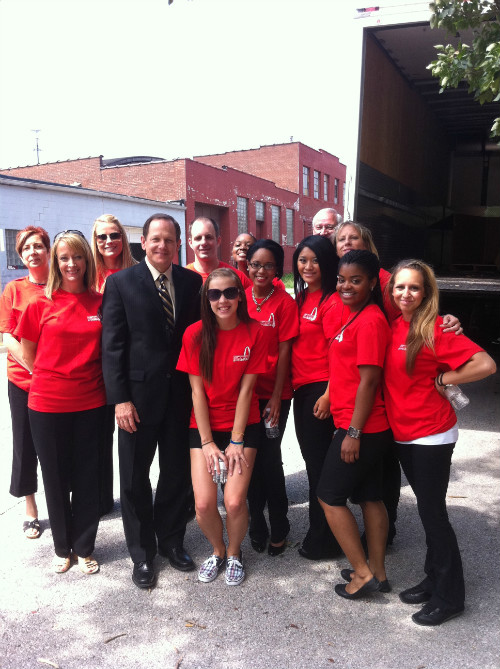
362,480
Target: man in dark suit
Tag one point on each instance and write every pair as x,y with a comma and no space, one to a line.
146,309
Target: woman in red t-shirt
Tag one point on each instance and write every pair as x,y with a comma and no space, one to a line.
111,252
33,247
277,312
240,249
315,277
354,463
61,342
223,353
422,362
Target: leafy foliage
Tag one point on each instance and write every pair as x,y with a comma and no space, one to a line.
477,63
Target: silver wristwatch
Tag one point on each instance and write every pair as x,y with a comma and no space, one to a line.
352,432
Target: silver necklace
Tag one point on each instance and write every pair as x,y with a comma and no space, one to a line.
259,306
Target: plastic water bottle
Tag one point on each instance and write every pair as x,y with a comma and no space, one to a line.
222,477
456,397
271,432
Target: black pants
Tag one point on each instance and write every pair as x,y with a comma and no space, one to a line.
23,479
314,437
267,484
163,523
427,469
67,445
106,498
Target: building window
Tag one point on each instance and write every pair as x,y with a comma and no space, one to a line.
305,180
326,184
13,260
242,211
316,184
259,211
336,192
289,227
275,219
343,194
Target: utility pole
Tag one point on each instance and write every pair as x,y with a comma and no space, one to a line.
37,148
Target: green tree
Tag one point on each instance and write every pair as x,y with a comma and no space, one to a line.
477,63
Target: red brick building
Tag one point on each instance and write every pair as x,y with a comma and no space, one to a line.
272,192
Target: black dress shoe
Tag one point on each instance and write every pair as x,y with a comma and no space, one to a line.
371,586
415,595
431,615
346,574
177,557
276,550
144,575
258,545
318,555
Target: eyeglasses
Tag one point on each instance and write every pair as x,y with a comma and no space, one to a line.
214,294
113,236
68,232
268,266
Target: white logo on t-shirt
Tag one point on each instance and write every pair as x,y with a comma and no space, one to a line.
244,357
93,318
340,336
269,323
312,315
402,347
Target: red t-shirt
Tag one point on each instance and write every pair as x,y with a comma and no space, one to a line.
237,352
13,302
310,348
102,279
414,406
280,320
67,374
204,275
362,342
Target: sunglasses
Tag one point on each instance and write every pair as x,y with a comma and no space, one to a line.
113,236
68,232
214,294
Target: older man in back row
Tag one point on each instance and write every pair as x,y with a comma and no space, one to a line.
325,221
204,239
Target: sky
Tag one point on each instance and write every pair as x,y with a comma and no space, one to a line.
139,77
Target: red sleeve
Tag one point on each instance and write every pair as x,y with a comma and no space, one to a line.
258,357
189,358
30,325
288,321
7,320
451,349
372,342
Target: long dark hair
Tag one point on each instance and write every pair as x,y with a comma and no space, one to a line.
324,251
274,248
368,262
207,338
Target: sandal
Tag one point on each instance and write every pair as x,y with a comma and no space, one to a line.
31,528
88,565
61,564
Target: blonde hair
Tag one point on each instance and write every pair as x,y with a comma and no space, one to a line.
126,255
421,332
78,244
363,232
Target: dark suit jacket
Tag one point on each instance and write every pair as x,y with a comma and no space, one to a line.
138,351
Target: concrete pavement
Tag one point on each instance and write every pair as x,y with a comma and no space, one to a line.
285,615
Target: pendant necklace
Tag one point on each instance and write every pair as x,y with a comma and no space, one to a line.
259,306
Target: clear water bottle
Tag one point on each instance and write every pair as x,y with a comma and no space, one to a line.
222,477
456,397
271,432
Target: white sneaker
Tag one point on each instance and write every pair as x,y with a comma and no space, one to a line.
235,574
210,569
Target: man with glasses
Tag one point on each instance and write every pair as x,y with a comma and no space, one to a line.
146,309
324,223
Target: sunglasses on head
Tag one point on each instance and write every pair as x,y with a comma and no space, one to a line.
113,236
214,294
68,232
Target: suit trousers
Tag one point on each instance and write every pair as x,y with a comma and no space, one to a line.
427,468
67,445
24,460
267,484
314,437
161,524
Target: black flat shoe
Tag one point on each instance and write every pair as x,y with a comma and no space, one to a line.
276,550
143,574
415,595
431,615
178,558
385,586
258,545
371,586
317,555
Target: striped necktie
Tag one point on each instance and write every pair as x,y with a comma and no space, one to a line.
166,300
